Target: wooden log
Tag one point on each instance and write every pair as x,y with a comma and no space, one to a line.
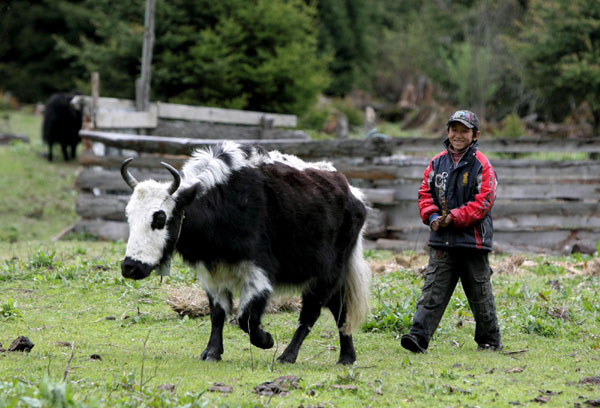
108,207
111,180
103,230
370,147
6,138
522,240
304,148
206,130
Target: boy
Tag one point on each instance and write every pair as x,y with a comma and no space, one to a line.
455,199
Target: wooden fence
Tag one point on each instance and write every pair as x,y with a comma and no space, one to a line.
114,114
541,205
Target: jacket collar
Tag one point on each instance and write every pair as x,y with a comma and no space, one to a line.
472,147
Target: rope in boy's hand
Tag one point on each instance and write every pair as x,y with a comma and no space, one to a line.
441,222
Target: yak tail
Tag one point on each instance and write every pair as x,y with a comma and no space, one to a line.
356,288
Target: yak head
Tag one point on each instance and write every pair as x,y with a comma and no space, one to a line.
154,224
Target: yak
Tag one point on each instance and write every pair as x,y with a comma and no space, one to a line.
61,125
250,222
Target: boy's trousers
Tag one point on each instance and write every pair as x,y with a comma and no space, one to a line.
445,267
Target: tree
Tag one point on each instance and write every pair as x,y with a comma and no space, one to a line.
344,29
256,55
560,46
30,66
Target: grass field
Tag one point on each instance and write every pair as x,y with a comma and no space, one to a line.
102,341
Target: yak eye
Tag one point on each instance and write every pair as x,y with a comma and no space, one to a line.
159,219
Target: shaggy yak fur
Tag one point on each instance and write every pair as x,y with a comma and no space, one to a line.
252,222
62,123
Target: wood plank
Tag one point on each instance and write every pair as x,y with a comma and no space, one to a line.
520,240
370,147
107,207
124,119
218,115
103,230
111,180
206,130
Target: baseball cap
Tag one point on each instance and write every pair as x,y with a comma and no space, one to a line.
467,118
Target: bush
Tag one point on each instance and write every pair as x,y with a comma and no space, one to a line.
512,127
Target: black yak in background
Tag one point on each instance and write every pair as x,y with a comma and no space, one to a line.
62,122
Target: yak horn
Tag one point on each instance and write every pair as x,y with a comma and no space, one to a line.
129,179
176,178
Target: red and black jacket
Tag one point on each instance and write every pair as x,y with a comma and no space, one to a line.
469,189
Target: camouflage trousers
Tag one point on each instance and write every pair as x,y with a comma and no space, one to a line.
446,267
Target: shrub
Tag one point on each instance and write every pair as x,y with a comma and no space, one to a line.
512,127
9,310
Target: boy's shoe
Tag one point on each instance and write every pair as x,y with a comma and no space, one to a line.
491,347
411,343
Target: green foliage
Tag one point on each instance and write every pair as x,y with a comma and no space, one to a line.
10,310
347,107
558,45
258,55
41,259
38,197
512,127
345,27
30,67
471,75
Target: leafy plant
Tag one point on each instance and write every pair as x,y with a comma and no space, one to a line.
512,127
42,259
10,310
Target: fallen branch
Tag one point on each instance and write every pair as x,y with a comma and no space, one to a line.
507,353
143,360
69,362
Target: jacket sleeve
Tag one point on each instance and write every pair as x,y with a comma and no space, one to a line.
427,206
476,210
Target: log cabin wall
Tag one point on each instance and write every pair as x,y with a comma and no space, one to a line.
542,206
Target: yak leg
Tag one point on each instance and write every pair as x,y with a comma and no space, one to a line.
214,348
49,152
338,307
73,150
65,152
250,317
311,310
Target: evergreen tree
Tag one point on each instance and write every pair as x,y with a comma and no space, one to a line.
30,66
344,29
560,45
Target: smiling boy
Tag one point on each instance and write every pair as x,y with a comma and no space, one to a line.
455,200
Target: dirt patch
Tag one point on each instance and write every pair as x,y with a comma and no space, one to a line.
279,386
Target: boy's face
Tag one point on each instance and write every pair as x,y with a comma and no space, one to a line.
460,136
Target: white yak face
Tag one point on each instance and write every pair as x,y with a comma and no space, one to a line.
150,212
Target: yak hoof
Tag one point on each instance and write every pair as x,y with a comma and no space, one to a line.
346,360
263,340
210,356
286,359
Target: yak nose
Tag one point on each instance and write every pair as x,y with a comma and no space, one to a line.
128,268
132,269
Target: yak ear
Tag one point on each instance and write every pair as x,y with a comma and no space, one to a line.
187,195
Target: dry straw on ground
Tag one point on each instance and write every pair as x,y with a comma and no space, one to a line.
192,302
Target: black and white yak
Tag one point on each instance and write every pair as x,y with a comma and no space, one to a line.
62,122
251,222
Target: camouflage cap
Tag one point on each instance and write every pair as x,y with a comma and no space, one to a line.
467,118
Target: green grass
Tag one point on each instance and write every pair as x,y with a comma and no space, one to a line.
38,199
56,293
60,294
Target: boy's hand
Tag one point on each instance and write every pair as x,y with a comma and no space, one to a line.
441,222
